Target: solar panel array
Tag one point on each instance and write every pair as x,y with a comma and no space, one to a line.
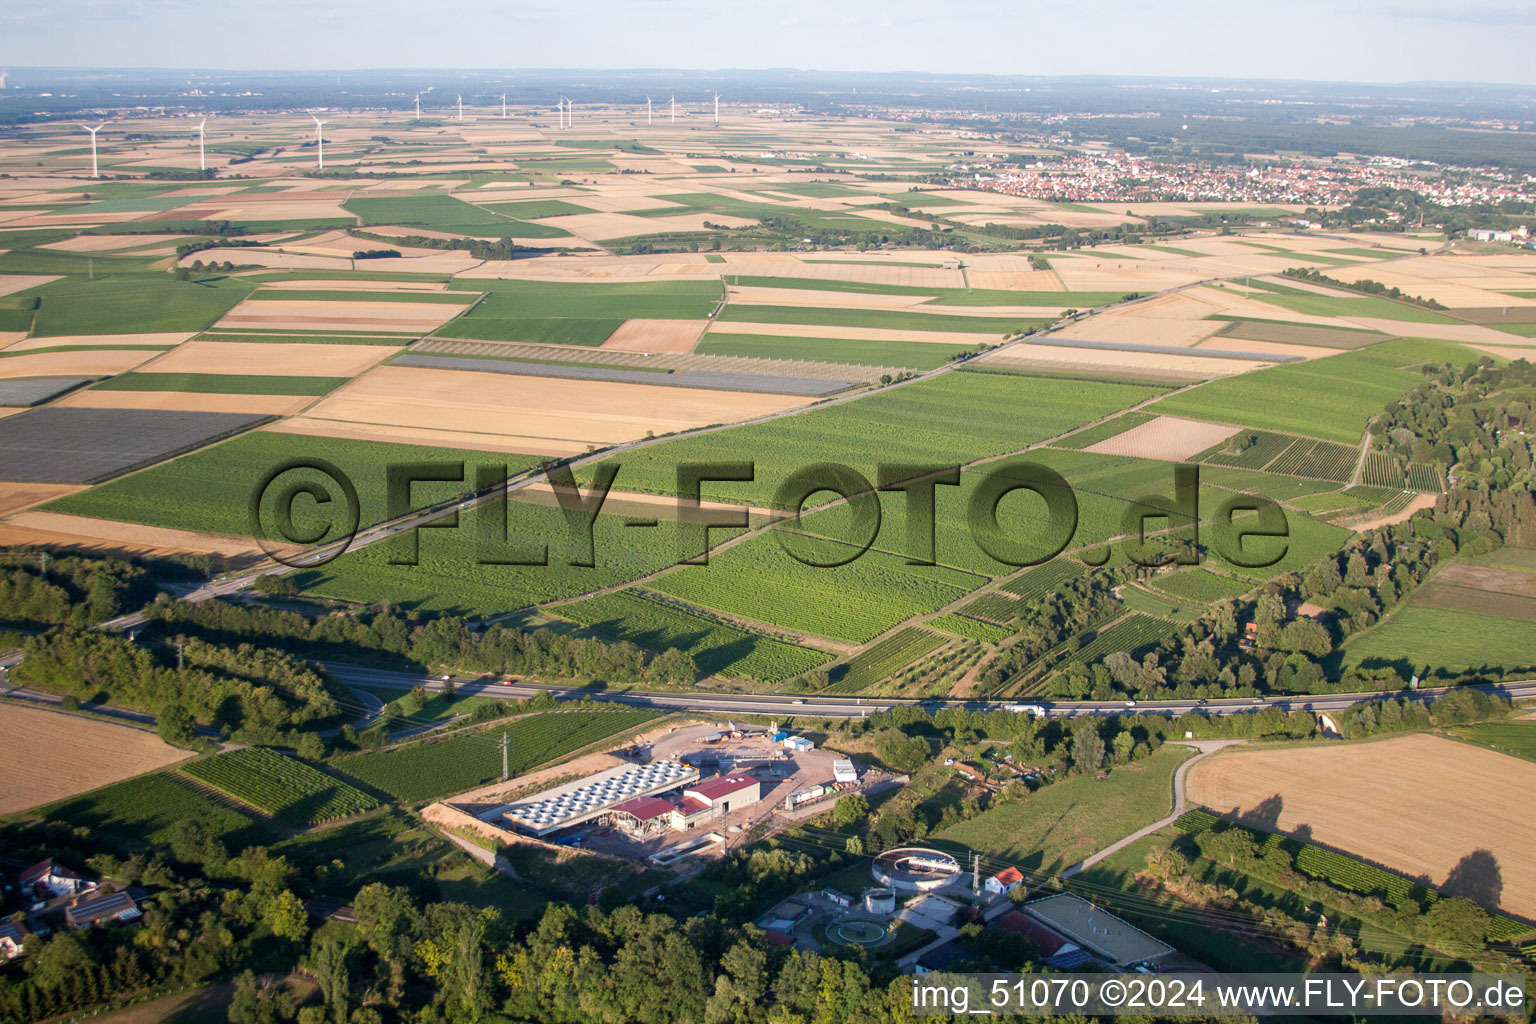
602,793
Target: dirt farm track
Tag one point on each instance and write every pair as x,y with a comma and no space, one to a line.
1412,803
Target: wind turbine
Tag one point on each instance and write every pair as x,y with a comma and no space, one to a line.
319,143
717,108
94,172
202,162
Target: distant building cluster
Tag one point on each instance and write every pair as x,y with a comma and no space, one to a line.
1121,177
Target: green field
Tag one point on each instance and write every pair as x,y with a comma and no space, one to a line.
949,420
1072,818
1331,398
1416,637
222,384
970,629
533,209
911,355
716,647
855,602
1515,738
211,489
878,661
280,786
435,212
432,768
1199,586
139,303
155,811
462,571
885,319
575,314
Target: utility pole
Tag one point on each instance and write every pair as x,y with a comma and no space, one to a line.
505,744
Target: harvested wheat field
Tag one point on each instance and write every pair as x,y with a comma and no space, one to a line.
187,401
107,535
1371,800
1172,364
302,315
76,363
1133,329
14,496
1169,438
656,335
270,359
54,755
547,408
12,283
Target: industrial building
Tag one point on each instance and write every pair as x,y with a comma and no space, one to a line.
595,796
1096,930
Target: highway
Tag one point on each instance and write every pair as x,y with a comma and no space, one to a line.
855,707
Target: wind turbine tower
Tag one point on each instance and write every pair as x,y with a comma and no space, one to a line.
94,172
202,161
319,142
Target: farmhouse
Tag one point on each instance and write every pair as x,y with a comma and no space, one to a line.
49,880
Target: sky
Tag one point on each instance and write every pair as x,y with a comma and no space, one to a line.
1331,40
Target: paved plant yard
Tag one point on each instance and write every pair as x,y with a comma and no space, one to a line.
32,390
82,446
799,770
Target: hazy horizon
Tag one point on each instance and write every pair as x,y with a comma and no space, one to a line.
1367,42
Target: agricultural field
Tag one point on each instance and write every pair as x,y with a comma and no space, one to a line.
280,786
56,755
1330,398
911,355
717,648
210,490
1074,817
1132,634
1369,799
970,629
575,314
60,445
945,421
881,660
427,769
158,811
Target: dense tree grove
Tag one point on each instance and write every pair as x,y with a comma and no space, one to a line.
422,643
250,693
